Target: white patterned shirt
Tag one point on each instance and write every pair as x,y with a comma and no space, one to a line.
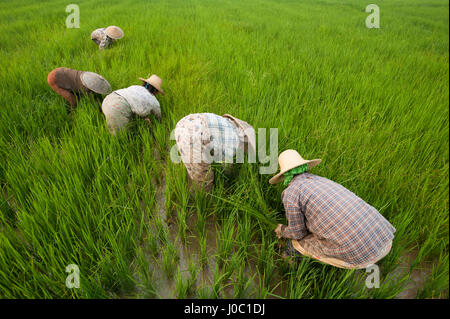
141,101
99,36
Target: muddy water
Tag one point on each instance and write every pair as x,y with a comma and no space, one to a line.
189,253
190,256
418,276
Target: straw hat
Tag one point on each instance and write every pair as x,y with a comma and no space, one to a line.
95,82
288,160
114,32
155,81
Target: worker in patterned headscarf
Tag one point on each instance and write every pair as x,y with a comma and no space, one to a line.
70,83
104,37
122,105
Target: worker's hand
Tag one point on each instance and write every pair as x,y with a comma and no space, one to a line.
278,231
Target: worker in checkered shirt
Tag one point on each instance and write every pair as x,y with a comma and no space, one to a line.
326,221
204,138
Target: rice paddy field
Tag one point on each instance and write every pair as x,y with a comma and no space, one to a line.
371,103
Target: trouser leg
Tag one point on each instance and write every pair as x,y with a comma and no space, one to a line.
291,252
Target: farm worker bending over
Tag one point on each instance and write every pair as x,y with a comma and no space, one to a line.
203,135
326,221
121,105
68,83
104,37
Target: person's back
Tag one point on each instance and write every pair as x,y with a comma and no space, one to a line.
68,83
345,226
70,79
224,137
141,101
122,105
204,138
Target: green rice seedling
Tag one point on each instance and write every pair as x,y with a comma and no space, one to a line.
301,280
182,215
177,195
263,290
266,261
225,239
193,272
181,286
436,285
152,243
231,265
203,250
246,232
219,283
260,216
388,289
201,205
161,230
338,289
7,214
184,287
170,259
205,292
242,283
143,279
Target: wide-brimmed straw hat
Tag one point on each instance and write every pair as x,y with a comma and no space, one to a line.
114,32
95,82
154,81
288,160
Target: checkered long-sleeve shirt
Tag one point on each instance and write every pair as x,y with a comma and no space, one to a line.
344,226
225,139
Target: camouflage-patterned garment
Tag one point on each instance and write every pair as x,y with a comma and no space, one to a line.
101,39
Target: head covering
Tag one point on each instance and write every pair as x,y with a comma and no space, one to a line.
95,82
114,32
289,175
154,81
288,160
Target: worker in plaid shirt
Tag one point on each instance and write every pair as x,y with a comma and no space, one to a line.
326,221
203,138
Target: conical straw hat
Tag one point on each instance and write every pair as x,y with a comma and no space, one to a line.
95,82
155,81
114,32
288,160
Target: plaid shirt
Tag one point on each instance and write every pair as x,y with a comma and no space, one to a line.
344,226
225,139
